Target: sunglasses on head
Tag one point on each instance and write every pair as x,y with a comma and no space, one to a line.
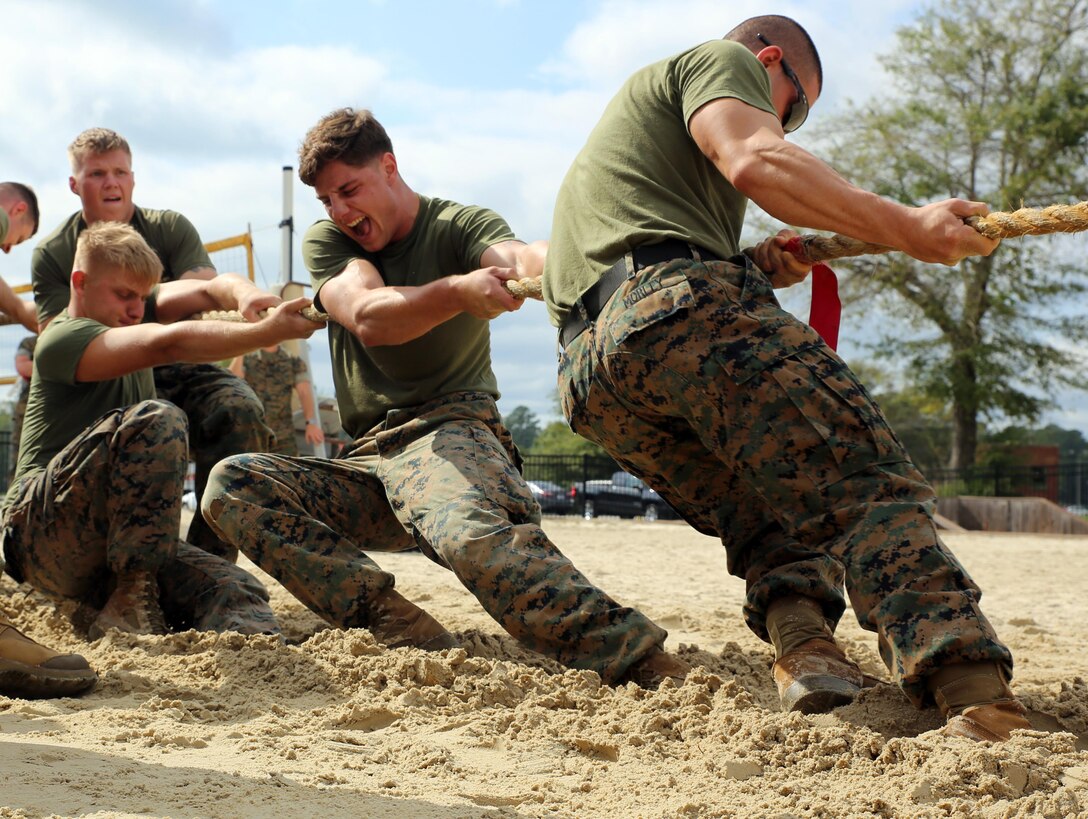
798,111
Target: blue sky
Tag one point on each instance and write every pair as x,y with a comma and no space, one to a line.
486,101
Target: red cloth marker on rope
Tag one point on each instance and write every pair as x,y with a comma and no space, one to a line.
825,313
826,309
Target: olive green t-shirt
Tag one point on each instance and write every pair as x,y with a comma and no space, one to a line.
5,225
446,239
641,179
59,408
172,237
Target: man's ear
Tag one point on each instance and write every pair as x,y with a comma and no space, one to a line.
79,280
72,185
389,165
18,209
769,55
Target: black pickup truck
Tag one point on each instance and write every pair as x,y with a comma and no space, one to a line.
623,495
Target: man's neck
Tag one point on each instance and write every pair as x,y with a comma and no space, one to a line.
409,201
88,221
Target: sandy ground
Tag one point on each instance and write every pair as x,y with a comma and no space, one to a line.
332,724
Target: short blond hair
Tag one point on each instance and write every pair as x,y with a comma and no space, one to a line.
115,244
95,141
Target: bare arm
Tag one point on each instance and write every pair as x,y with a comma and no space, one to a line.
526,259
749,149
204,273
22,311
238,366
314,433
379,315
185,298
123,350
248,299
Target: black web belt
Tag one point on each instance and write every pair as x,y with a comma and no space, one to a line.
590,304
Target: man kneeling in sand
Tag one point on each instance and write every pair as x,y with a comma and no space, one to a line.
94,511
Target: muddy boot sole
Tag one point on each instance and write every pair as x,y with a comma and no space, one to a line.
818,694
36,682
439,643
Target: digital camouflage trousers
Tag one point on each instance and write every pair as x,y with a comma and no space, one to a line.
443,477
738,414
109,503
225,418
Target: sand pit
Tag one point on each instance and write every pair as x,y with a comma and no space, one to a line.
332,724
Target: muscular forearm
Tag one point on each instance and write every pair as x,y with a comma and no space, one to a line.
122,350
208,341
228,290
395,315
202,273
797,188
746,145
531,260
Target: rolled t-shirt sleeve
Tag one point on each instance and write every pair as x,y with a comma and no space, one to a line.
476,230
62,346
721,69
326,251
184,251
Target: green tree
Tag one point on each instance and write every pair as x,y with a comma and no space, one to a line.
557,439
1070,442
988,101
524,427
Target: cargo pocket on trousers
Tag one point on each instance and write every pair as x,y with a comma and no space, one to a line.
830,426
651,302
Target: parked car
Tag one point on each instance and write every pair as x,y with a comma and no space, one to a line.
622,494
552,497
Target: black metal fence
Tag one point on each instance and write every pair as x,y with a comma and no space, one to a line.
567,470
1065,484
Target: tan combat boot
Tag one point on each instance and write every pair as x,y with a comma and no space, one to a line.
812,673
133,607
655,668
31,671
397,622
977,702
816,677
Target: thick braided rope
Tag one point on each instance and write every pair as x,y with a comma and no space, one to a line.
997,225
525,288
311,312
522,288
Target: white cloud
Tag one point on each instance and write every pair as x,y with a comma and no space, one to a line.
213,117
